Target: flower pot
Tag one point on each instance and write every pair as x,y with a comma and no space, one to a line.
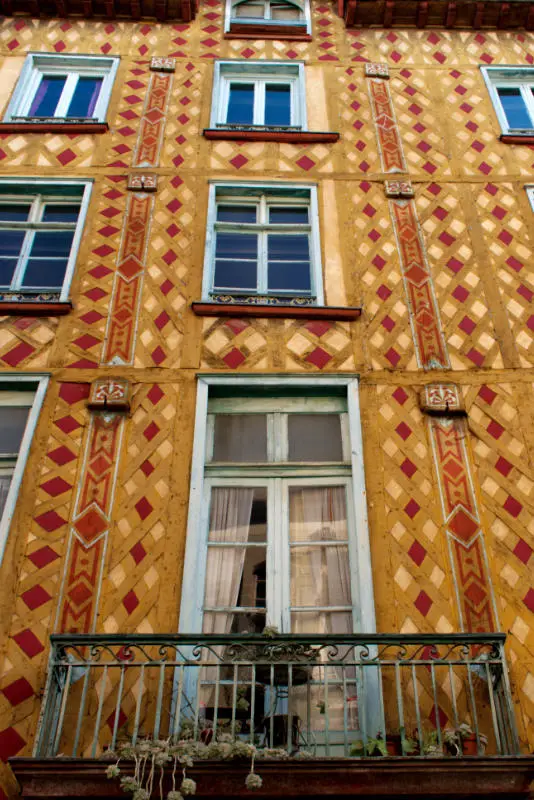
469,745
394,745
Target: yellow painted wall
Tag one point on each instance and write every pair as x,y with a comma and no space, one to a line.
477,227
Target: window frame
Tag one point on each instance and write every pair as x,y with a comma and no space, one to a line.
247,191
304,26
259,74
41,188
530,194
191,609
38,64
512,77
41,384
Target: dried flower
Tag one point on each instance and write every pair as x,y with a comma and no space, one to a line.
188,786
174,796
141,794
253,781
113,771
129,784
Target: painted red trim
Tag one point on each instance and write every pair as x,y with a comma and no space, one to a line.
264,31
53,127
365,778
347,314
284,37
296,137
29,309
514,138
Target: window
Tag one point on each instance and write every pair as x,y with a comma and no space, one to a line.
511,90
40,229
263,241
277,530
268,16
62,88
20,403
258,95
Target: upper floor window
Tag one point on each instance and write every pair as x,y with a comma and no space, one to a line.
512,93
62,89
263,241
40,230
268,16
269,95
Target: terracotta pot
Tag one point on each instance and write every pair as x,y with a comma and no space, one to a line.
394,745
469,745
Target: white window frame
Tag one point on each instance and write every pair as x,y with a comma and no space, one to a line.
530,195
73,66
260,74
8,384
33,187
191,610
305,24
288,193
511,77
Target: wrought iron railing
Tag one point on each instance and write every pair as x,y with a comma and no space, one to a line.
328,695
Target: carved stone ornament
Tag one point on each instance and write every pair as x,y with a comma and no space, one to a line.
161,64
376,71
110,394
399,189
142,182
441,398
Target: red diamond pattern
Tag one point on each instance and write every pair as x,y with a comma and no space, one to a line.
55,486
35,597
42,557
28,643
18,691
50,521
143,508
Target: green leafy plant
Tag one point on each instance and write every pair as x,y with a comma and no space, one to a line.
371,747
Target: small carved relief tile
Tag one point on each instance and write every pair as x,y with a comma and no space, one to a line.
441,398
376,70
161,64
142,182
110,394
399,189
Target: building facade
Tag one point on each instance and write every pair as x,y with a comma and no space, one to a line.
268,282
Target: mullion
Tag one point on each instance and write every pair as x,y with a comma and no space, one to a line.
33,217
528,97
67,95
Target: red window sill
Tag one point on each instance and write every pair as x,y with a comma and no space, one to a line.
207,309
515,138
291,137
282,37
259,31
53,127
29,309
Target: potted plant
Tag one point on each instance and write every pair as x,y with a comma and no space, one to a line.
398,744
370,748
463,741
431,745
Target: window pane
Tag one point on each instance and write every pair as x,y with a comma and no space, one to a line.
514,108
253,10
314,437
7,269
236,576
277,104
236,213
5,482
47,96
14,212
289,276
59,213
45,272
288,216
238,276
241,104
51,243
12,424
284,248
11,242
320,576
236,245
285,11
85,97
240,437
317,514
322,622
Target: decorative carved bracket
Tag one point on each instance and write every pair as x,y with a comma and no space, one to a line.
399,189
161,64
442,399
110,394
376,71
142,182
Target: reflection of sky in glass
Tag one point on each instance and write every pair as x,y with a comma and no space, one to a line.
47,96
277,104
241,104
84,98
514,108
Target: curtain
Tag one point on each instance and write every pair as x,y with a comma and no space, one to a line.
229,522
321,575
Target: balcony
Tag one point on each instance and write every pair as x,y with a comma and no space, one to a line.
376,715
